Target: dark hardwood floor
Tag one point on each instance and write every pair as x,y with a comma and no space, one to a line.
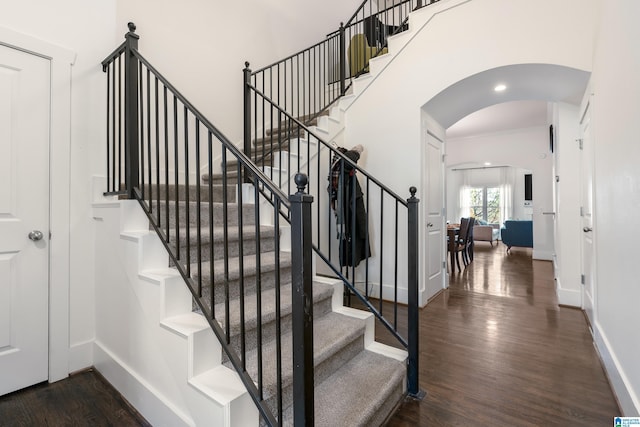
496,350
83,399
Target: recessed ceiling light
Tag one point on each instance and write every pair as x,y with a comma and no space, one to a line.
500,88
487,163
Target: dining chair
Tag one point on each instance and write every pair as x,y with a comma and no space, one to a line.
468,242
459,244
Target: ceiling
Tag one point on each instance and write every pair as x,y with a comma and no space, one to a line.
500,117
472,106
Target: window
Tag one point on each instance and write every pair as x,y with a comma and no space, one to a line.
484,203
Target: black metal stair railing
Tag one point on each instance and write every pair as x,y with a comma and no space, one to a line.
158,145
300,150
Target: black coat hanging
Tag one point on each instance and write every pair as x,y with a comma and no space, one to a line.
348,204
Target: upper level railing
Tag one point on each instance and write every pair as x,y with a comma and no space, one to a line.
308,82
158,145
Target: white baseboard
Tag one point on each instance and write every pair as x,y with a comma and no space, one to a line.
542,255
568,297
388,292
81,356
154,407
629,402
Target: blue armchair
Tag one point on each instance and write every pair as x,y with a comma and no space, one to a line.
517,233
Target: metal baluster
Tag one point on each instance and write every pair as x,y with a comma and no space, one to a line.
366,261
276,239
187,216
157,112
166,161
354,225
395,275
211,224
120,128
271,108
264,126
109,102
381,245
342,60
176,169
225,238
243,337
256,201
280,148
199,208
115,100
149,169
141,122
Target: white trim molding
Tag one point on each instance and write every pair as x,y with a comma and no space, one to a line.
542,255
628,401
568,297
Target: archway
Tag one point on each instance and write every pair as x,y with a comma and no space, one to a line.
484,112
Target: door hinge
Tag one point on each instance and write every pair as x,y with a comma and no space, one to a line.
443,157
581,211
582,279
444,264
580,143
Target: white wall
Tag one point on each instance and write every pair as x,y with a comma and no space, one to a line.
201,45
524,149
424,68
567,206
86,28
616,108
496,33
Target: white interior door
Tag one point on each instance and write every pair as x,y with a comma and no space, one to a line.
587,244
24,208
434,203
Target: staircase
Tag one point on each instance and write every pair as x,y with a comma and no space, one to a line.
357,380
227,338
281,151
343,355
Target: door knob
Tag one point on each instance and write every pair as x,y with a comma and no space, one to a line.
587,229
36,235
429,224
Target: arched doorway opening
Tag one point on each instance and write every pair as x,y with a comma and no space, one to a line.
502,116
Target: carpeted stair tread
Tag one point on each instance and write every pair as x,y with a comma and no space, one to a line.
331,333
307,120
248,282
248,213
321,292
267,264
272,143
181,193
233,233
208,235
322,295
232,176
363,392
